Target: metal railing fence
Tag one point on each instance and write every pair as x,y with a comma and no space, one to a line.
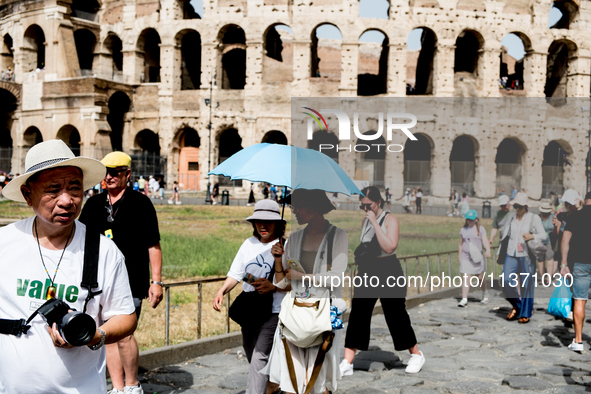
424,266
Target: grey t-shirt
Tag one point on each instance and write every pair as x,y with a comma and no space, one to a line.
501,220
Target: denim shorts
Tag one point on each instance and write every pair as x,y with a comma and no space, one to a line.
582,281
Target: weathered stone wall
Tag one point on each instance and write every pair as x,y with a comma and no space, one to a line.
264,102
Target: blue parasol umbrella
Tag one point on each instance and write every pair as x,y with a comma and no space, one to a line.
289,166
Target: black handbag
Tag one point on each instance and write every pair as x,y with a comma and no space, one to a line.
503,246
251,309
368,251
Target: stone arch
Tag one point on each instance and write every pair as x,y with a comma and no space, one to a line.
188,43
467,62
70,135
147,141
114,47
32,136
329,49
85,44
275,137
9,105
509,164
420,82
86,9
372,74
370,160
186,149
512,68
7,55
119,104
278,53
145,158
569,10
560,53
417,162
188,10
556,154
463,164
229,142
33,48
325,137
148,43
232,57
14,89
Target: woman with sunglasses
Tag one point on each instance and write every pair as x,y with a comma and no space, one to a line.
254,264
519,268
380,233
310,247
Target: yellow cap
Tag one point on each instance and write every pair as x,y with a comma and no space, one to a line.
117,159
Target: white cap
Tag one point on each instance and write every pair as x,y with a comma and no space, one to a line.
503,200
571,196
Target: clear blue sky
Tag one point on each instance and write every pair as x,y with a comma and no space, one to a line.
379,9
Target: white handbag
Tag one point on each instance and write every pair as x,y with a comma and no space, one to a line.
304,321
475,254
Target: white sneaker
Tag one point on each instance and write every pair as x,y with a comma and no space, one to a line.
179,202
346,368
570,317
133,389
170,202
576,347
463,303
415,363
115,391
484,297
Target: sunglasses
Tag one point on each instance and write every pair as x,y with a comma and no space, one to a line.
517,206
115,172
365,207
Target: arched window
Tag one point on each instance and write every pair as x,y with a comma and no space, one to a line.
7,57
323,137
190,43
146,159
417,163
34,49
372,78
513,49
192,9
70,135
462,165
119,104
233,53
149,44
421,49
189,169
85,43
278,59
557,66
509,165
32,137
86,9
562,14
114,47
326,52
229,143
275,137
555,158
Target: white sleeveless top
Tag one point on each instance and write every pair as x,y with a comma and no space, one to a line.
367,232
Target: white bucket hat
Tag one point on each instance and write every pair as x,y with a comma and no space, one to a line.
545,208
266,210
520,199
571,196
52,154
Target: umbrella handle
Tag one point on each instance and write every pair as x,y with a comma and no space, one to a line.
282,240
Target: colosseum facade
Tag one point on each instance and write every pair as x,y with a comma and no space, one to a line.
181,92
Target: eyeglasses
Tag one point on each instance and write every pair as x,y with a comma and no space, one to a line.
114,172
365,207
517,206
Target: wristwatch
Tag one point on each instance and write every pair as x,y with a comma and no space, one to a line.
101,342
157,283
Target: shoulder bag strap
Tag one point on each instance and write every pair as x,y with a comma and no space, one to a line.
90,270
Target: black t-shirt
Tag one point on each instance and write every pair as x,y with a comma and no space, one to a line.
134,230
579,224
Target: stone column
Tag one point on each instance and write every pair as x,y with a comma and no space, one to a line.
534,73
397,67
349,69
579,68
254,68
167,68
301,68
531,164
443,69
394,173
489,65
440,172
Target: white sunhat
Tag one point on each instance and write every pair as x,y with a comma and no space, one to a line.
503,200
571,196
520,199
266,210
53,154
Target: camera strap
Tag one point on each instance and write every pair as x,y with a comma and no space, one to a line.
90,271
18,327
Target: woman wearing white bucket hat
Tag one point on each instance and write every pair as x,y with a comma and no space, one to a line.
254,264
518,269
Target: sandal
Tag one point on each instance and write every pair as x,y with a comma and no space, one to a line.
512,314
523,320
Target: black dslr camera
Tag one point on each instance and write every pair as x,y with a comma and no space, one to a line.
77,328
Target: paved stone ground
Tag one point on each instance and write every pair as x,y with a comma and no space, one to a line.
468,350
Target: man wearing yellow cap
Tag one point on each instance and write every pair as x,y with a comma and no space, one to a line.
129,219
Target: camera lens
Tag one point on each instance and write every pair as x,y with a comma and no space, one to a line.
77,328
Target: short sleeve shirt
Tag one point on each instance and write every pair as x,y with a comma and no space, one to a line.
579,224
134,230
500,220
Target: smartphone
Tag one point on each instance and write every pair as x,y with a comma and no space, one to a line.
249,278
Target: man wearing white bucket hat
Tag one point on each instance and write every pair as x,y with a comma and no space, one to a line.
45,258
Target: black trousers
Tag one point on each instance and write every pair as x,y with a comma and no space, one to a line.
358,328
